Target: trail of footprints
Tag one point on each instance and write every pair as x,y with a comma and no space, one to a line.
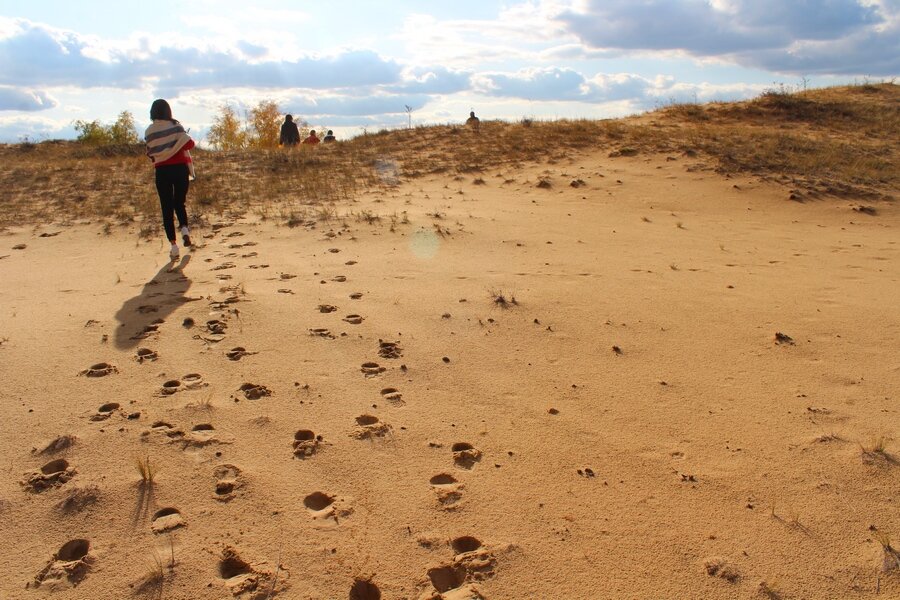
471,560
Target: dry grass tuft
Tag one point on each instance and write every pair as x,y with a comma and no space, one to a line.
876,447
146,469
891,559
502,299
153,581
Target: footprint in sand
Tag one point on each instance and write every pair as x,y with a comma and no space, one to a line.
472,562
71,564
250,255
465,455
145,355
235,234
285,291
204,434
170,387
241,578
334,250
216,326
223,266
447,489
228,482
164,429
286,276
146,332
318,501
356,295
447,577
166,519
364,589
253,391
53,474
306,443
147,308
339,278
325,507
369,426
393,396
389,349
105,411
258,267
350,263
193,381
353,319
371,369
464,544
321,332
99,370
327,308
237,353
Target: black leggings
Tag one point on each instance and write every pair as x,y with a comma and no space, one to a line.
172,185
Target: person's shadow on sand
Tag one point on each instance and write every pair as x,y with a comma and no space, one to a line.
140,316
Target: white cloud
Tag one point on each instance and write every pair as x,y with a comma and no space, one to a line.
810,36
25,100
13,129
33,54
555,84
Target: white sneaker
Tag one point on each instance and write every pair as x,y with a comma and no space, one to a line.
186,237
174,253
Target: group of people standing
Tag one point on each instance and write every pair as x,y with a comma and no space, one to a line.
290,134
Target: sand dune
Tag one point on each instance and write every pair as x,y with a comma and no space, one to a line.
567,389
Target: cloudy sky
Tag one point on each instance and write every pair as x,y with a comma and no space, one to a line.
354,65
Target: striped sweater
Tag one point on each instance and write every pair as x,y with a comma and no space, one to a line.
168,143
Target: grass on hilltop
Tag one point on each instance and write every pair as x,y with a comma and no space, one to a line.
831,142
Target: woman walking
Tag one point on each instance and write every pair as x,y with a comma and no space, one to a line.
168,146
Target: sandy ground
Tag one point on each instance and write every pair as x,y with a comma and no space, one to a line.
626,426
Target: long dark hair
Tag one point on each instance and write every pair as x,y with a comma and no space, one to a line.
161,111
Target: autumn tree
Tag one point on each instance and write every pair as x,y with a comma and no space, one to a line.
123,131
226,132
265,124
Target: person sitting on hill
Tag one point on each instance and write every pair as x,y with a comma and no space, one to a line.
311,138
329,137
473,121
290,135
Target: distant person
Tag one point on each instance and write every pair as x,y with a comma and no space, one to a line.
311,138
329,137
290,135
168,146
473,121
